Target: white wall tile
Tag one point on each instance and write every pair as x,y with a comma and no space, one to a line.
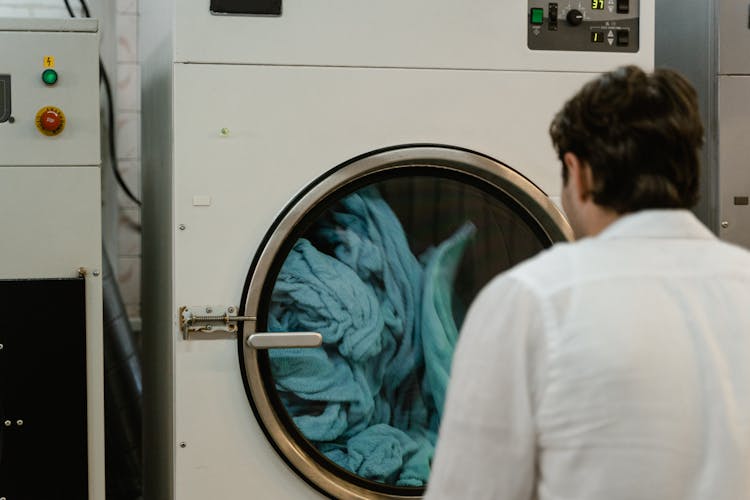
127,131
130,171
129,237
128,107
128,87
127,38
127,6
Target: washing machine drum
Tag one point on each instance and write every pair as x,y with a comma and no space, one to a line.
381,257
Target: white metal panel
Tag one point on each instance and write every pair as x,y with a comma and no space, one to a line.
285,127
49,25
76,93
734,37
481,34
734,158
226,454
50,221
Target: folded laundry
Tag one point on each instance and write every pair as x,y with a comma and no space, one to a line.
366,398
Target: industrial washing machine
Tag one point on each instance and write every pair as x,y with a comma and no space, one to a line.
327,185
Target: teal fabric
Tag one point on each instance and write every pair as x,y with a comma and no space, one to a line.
369,398
438,324
366,235
346,314
376,453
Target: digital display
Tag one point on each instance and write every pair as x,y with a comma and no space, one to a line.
597,36
597,4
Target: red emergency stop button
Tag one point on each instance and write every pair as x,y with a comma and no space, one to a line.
50,120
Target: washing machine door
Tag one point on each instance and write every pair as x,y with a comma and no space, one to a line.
382,257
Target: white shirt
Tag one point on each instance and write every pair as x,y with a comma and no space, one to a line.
614,368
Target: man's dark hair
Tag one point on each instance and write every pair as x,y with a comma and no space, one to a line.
640,134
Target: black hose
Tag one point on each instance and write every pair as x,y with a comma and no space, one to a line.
123,394
86,12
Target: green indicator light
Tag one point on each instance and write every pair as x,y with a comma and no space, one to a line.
537,16
49,76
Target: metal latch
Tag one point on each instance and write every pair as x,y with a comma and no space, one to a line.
220,322
210,322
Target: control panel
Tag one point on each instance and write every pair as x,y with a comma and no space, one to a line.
584,25
47,113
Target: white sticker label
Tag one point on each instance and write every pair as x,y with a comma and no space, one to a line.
201,200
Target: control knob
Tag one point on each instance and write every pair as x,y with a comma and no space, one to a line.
575,17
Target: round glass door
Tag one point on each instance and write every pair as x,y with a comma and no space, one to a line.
382,257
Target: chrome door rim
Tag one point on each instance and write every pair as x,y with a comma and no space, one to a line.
491,172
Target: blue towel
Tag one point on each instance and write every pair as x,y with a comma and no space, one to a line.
366,398
366,235
316,292
325,398
440,332
416,469
376,453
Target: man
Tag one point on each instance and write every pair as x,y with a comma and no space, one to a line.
616,367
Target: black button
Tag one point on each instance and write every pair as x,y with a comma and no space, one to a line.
623,6
623,38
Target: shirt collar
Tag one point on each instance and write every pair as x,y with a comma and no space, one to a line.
663,223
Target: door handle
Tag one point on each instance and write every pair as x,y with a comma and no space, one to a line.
284,340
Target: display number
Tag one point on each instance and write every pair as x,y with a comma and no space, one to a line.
597,36
597,4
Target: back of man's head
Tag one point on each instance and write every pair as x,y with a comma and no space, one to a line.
640,134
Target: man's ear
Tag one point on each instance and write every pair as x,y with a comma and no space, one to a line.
579,174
